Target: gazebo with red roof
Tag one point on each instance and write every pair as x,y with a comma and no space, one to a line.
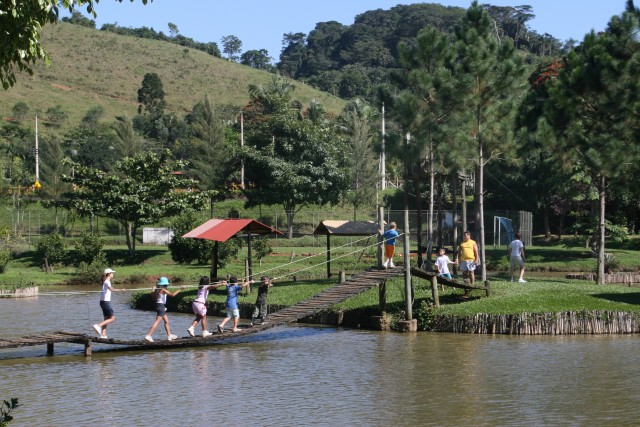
221,230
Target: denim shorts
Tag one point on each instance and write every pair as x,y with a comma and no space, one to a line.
161,309
107,311
233,312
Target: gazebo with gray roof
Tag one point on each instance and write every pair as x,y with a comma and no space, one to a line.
343,228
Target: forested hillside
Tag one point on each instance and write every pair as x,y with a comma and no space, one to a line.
351,60
92,68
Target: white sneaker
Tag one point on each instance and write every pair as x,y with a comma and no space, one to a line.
98,329
391,265
386,264
236,330
148,338
191,331
522,281
172,337
104,337
206,333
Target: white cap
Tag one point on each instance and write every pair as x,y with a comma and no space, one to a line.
108,270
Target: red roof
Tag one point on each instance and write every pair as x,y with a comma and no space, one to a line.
222,229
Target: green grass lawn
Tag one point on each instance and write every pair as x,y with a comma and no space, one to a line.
300,272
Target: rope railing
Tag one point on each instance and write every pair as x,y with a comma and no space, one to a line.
65,293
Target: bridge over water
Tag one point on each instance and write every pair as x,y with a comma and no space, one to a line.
353,286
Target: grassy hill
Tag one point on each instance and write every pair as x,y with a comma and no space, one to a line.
91,68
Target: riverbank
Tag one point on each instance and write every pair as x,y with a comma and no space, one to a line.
539,307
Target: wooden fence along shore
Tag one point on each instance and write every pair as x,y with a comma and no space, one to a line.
564,323
19,293
626,278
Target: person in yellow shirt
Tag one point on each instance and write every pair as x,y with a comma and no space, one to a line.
468,258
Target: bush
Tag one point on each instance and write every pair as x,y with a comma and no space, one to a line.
5,257
89,272
51,249
88,248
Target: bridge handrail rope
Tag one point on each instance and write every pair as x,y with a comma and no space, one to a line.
65,293
312,256
324,262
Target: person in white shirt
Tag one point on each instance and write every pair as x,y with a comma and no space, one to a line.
442,264
516,258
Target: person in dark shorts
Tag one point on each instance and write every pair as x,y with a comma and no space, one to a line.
260,310
105,303
159,296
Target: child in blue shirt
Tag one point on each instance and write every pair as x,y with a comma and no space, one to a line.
232,304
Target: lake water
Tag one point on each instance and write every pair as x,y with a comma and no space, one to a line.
303,375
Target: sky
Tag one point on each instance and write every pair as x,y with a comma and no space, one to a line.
260,24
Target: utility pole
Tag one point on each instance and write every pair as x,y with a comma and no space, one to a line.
383,168
37,183
241,148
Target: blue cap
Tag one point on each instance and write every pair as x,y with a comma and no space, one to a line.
163,281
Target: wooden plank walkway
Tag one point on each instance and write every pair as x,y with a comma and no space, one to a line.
427,275
325,299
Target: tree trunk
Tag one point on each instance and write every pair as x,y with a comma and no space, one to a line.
440,203
290,215
419,225
454,209
547,225
602,191
128,228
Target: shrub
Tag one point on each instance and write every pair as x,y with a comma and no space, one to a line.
51,249
611,263
88,248
5,257
88,272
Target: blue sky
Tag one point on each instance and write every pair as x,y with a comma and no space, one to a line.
260,24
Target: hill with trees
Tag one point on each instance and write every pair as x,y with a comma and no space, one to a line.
92,68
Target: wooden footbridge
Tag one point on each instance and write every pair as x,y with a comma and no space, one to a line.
325,299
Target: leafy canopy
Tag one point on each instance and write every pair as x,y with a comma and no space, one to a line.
142,190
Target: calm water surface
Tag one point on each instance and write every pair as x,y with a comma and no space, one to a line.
304,375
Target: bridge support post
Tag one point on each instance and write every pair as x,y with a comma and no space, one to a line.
434,291
408,325
49,349
87,347
342,277
381,323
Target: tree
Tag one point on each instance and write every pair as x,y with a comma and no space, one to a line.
151,95
259,59
142,190
486,71
212,160
53,167
425,108
19,111
92,116
362,162
293,54
593,106
291,159
173,29
231,46
21,23
127,142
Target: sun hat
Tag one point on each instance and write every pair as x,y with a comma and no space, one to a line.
163,281
108,270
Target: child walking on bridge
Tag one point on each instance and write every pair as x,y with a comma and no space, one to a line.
159,295
105,303
232,304
260,310
199,306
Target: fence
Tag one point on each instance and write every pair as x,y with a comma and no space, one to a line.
35,221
